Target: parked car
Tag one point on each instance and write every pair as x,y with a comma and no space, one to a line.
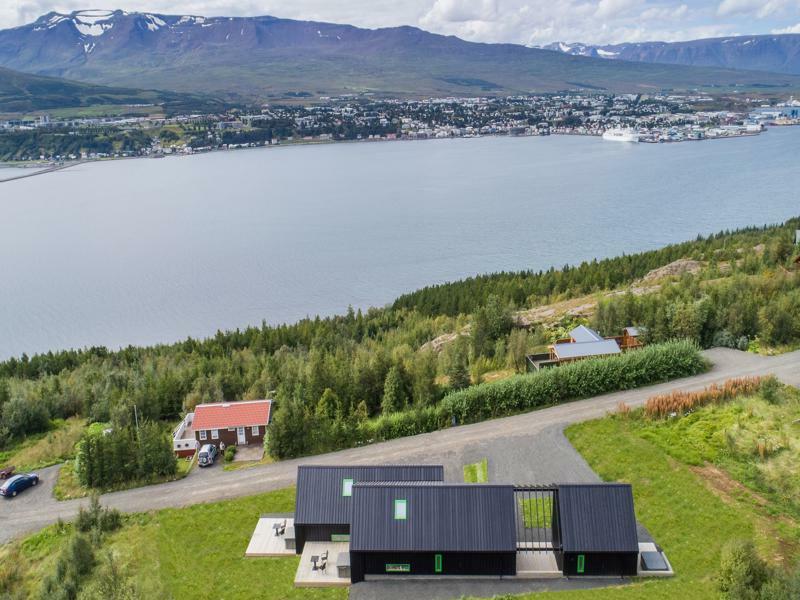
18,483
207,456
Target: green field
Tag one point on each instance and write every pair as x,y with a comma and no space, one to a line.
176,553
691,510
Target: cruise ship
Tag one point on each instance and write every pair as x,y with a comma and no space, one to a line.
621,135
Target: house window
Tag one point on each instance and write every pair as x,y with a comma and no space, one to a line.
347,487
437,563
255,430
581,563
202,434
215,434
400,510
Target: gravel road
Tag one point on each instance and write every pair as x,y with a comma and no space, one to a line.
527,448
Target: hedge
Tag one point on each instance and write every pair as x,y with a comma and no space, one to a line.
522,393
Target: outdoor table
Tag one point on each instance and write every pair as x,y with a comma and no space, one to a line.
314,560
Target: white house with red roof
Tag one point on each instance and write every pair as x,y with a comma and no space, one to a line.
232,423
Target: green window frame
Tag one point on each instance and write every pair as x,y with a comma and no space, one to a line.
398,568
347,487
400,509
437,563
581,563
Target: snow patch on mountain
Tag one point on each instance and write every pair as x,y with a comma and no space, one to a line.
153,23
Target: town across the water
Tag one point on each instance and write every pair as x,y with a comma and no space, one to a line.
145,130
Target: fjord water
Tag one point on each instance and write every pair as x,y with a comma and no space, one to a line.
145,251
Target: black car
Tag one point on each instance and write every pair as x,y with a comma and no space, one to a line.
18,483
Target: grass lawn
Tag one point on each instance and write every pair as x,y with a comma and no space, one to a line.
537,512
477,472
45,449
182,553
235,466
690,511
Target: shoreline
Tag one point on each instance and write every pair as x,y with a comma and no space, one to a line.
63,166
43,171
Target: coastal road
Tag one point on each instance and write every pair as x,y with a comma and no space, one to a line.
526,448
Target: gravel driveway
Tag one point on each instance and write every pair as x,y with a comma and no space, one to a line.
527,448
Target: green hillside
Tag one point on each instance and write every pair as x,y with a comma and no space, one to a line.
25,93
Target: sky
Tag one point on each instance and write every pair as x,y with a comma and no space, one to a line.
531,22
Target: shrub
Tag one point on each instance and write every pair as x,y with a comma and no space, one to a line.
73,565
580,379
771,389
23,417
510,396
230,453
551,386
680,403
97,517
742,573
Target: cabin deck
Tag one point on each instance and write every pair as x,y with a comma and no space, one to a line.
264,542
306,576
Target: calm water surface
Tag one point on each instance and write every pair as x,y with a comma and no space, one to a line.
144,251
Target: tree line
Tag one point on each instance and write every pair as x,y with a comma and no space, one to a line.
329,374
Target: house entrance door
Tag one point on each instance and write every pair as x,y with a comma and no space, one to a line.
240,439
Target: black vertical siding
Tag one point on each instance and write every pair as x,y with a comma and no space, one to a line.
601,563
423,563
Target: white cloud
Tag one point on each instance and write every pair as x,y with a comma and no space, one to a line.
460,11
519,21
666,13
790,29
609,9
758,8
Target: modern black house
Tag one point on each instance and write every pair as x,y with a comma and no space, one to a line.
596,532
324,496
402,528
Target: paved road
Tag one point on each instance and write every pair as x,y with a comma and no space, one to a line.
527,448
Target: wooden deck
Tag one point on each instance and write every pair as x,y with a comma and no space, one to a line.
307,577
264,542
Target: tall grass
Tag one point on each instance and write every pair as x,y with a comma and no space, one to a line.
681,403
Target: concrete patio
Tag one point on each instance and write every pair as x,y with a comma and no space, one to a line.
537,565
252,453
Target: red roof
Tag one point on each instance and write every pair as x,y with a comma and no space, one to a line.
221,415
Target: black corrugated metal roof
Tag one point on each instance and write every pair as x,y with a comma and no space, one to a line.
440,518
319,488
597,518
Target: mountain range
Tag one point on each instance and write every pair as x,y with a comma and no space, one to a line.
268,57
775,53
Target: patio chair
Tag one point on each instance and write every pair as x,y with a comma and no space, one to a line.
282,528
322,565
